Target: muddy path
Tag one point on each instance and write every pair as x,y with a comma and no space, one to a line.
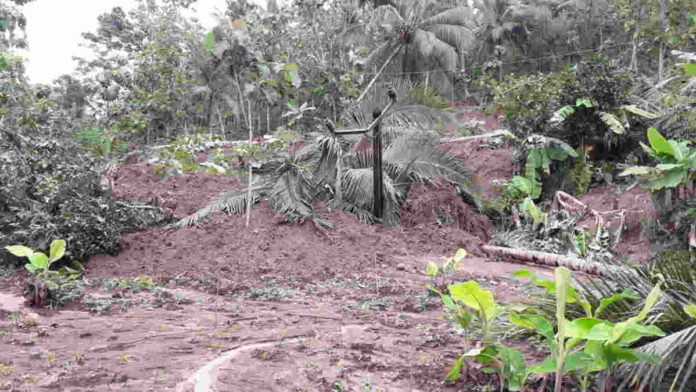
378,330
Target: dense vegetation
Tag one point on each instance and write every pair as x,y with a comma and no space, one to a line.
592,92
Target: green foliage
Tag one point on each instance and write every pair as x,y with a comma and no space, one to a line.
677,162
580,174
59,283
606,343
39,262
433,270
100,142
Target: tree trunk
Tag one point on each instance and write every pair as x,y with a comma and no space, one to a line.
636,33
338,193
552,260
663,30
251,139
379,73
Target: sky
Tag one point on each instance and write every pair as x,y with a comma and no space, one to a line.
54,29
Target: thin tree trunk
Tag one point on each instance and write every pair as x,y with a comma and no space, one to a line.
379,73
636,33
251,139
222,123
552,260
663,29
338,193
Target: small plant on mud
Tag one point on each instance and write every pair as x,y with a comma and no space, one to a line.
433,270
49,286
586,344
582,346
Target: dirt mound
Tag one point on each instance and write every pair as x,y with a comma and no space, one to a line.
270,246
638,208
180,194
487,164
439,202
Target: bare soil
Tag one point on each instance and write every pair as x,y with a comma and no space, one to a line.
269,307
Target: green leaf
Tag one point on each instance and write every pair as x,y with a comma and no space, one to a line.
563,277
690,310
563,112
669,166
638,111
459,255
456,371
474,297
291,67
4,63
209,42
659,143
612,122
604,303
520,321
20,251
581,327
30,268
586,102
669,179
650,302
57,250
577,360
39,260
689,68
548,365
431,269
637,171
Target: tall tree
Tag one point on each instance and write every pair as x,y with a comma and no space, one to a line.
422,31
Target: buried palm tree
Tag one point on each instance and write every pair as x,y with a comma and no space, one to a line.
333,165
436,31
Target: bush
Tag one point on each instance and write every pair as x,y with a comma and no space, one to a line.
49,188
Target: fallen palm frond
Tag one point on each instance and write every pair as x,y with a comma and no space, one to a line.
678,349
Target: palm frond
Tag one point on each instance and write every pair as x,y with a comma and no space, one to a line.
460,37
293,192
232,202
431,47
459,16
389,14
428,162
408,112
364,214
677,350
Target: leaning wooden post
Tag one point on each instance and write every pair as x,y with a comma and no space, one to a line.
378,183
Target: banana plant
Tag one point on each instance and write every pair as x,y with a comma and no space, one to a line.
677,162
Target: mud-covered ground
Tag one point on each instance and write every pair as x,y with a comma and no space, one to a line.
273,306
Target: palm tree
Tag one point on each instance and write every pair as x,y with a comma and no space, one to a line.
293,182
435,31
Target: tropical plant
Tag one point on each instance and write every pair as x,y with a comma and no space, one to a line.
343,165
49,285
428,32
434,270
677,163
605,343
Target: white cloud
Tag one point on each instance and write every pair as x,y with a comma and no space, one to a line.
54,29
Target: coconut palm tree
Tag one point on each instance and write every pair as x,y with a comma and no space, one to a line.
293,182
435,31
